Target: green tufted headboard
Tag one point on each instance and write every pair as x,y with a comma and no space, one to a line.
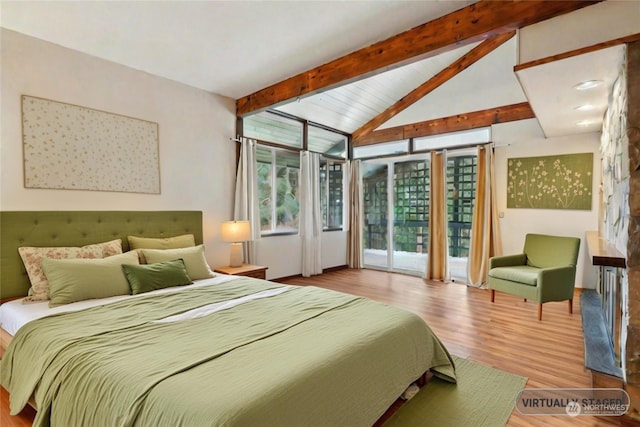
79,228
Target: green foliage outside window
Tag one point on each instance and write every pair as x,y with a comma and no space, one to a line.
264,195
375,206
287,204
331,193
281,188
461,186
411,205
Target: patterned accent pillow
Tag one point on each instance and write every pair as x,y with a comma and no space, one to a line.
32,260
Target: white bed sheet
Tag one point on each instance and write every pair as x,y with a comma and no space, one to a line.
14,314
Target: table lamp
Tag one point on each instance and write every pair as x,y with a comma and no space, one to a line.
236,232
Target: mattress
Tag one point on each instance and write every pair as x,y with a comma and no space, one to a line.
224,351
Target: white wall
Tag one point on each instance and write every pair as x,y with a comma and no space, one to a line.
588,26
196,157
283,254
525,139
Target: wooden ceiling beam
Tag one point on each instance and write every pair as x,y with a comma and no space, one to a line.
436,81
459,122
470,24
577,52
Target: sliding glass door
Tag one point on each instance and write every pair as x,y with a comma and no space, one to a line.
376,211
411,215
461,192
396,206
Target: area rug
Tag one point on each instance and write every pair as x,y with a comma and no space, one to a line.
483,396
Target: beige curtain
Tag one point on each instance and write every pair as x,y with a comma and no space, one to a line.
438,256
354,241
246,206
485,229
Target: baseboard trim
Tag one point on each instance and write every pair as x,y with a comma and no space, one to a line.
324,270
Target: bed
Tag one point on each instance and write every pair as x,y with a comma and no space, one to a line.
221,350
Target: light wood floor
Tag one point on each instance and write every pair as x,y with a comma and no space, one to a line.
504,335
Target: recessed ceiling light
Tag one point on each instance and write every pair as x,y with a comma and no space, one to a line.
589,84
585,107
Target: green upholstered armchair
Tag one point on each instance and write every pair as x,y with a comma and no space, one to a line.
545,271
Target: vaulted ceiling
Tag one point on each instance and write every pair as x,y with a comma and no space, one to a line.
476,83
382,70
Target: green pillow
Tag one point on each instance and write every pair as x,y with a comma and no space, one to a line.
79,279
159,275
186,240
194,260
138,243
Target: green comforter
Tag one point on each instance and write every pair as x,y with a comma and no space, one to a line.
306,357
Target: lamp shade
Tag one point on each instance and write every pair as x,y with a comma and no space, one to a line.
236,231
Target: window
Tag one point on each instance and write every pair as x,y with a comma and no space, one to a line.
400,190
331,145
411,206
453,139
374,190
278,177
396,208
376,150
271,127
331,193
461,183
326,142
281,136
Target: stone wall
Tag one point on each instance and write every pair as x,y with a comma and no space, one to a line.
620,210
615,172
614,189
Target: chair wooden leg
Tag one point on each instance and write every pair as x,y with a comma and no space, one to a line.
493,295
539,311
571,306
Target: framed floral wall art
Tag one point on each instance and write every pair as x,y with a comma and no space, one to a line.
70,147
550,182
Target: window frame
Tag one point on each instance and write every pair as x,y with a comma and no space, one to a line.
272,145
462,205
312,125
274,189
283,118
332,161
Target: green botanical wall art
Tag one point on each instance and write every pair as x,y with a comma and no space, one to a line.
550,182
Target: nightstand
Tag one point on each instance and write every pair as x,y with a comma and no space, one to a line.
248,270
